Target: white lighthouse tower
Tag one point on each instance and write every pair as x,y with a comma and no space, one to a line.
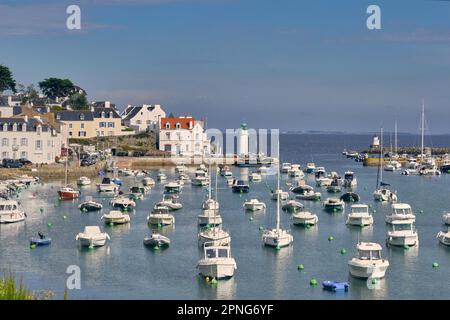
242,139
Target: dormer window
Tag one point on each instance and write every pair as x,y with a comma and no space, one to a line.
103,114
82,116
110,114
178,125
58,116
167,125
5,127
24,127
15,127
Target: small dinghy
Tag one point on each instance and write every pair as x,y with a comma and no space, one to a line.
350,197
42,240
90,205
292,206
335,286
157,240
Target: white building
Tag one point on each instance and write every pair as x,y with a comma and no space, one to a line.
183,136
32,138
143,118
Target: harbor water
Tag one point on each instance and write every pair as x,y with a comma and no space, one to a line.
125,269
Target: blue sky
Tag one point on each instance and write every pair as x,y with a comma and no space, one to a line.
291,64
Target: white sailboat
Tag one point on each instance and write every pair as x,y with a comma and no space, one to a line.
382,193
214,236
277,237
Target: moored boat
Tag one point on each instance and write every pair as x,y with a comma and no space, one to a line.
304,218
92,237
116,217
369,262
10,211
254,205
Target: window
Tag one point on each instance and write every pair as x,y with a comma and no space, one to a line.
110,114
168,135
38,129
81,116
70,133
5,142
24,142
102,124
138,121
110,133
38,144
5,127
179,136
70,125
58,116
178,125
14,142
82,133
197,136
15,127
110,124
24,127
102,114
82,126
149,121
24,154
5,155
48,143
167,125
49,156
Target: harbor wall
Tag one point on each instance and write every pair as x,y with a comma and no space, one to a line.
148,162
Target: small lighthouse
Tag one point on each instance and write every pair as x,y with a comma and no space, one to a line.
242,139
375,142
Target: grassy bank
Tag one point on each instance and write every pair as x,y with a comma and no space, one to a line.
13,289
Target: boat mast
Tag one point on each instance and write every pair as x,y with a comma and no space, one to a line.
422,128
67,168
278,187
395,138
381,156
209,187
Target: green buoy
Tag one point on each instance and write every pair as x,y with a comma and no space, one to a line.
277,248
159,225
313,282
374,280
251,218
64,217
49,224
421,211
343,251
435,265
261,228
300,267
33,246
214,281
374,211
41,210
406,247
330,238
308,226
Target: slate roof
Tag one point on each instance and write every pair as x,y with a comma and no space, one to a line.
74,115
98,112
135,110
31,124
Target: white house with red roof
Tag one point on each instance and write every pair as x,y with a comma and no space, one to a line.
183,135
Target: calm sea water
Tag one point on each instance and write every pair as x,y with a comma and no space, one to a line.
125,269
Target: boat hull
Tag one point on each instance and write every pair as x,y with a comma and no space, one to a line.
403,240
12,217
217,268
364,271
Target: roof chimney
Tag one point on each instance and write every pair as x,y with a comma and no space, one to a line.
25,118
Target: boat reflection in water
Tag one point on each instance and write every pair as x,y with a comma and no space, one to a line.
222,290
279,261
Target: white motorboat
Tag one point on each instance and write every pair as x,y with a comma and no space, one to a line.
126,172
334,186
161,176
201,178
309,195
409,172
160,216
359,215
333,204
349,180
392,165
283,195
107,185
444,237
384,194
323,181
116,217
83,181
254,205
277,237
172,187
305,218
123,203
210,204
226,172
446,218
217,262
403,233
255,177
368,263
285,167
214,236
148,182
292,206
156,240
180,168
310,167
171,203
92,237
400,211
209,217
184,177
10,211
295,171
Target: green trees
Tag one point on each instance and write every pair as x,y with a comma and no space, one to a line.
7,81
27,93
78,101
55,87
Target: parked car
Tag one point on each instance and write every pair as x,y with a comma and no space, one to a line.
11,163
25,161
138,154
122,154
89,161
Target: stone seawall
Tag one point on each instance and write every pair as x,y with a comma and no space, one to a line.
148,162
